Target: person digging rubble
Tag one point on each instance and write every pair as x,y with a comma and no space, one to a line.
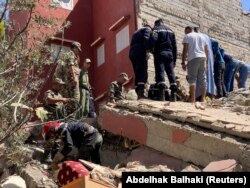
83,136
57,106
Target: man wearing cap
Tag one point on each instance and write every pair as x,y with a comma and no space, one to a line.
54,101
84,89
68,70
116,88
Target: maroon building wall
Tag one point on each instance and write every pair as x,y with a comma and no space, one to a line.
81,26
105,14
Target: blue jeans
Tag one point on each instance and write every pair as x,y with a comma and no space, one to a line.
230,71
243,74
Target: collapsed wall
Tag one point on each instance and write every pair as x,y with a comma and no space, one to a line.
181,131
222,20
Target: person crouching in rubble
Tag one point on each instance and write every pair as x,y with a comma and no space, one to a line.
83,136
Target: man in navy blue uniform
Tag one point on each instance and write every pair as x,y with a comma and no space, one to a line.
140,47
165,54
83,136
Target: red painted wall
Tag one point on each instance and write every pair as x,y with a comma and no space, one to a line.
105,14
81,23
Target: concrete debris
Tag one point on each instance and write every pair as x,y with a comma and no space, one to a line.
238,109
191,168
131,95
229,165
184,138
113,177
36,177
237,101
14,181
136,166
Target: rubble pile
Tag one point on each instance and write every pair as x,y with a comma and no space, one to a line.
33,174
113,176
238,101
22,170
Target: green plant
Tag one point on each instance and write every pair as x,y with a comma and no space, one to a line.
23,57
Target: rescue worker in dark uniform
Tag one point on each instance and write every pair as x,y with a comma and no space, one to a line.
165,54
83,136
140,46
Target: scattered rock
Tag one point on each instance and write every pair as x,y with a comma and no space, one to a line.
237,109
14,181
131,95
191,168
37,152
229,165
247,102
35,177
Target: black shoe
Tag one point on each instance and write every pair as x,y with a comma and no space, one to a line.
173,97
46,159
141,95
162,95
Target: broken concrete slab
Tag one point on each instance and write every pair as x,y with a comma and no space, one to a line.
13,181
229,165
191,168
150,157
181,111
35,177
201,141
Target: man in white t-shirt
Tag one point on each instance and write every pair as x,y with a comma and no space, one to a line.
195,49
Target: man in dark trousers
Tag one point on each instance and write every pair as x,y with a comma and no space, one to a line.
219,69
165,54
140,47
81,135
